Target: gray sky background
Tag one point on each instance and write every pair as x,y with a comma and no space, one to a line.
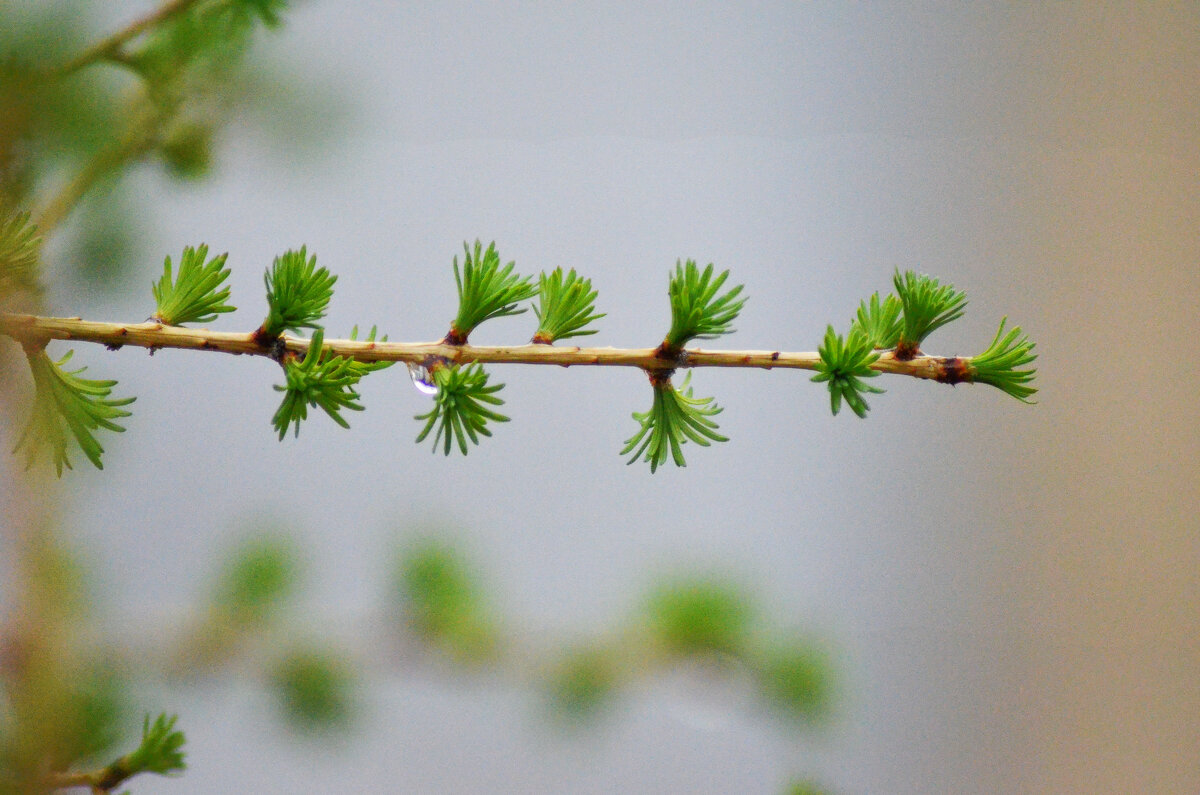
1013,590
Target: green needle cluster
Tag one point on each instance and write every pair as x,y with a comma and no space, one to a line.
928,305
998,365
674,419
567,306
485,291
844,363
64,402
880,320
317,380
298,293
19,244
192,297
697,311
161,750
460,407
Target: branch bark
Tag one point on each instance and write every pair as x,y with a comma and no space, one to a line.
36,331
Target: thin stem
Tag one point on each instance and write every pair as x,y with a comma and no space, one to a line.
35,330
112,45
70,780
101,781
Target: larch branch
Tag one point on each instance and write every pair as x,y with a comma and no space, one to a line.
35,331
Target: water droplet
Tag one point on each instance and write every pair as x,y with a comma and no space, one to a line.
421,379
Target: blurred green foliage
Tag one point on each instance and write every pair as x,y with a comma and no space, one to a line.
584,680
695,615
797,679
257,577
161,749
187,152
806,787
59,716
315,689
444,602
63,700
78,109
104,238
47,121
19,244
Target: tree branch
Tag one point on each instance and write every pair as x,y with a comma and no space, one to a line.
112,45
34,331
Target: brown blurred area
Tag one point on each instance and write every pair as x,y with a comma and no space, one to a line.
1109,591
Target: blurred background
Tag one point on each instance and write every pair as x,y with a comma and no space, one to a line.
999,597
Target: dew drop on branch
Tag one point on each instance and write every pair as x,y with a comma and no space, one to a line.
421,379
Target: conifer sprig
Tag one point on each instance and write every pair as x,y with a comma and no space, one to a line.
19,244
485,291
194,295
459,411
566,306
65,403
674,418
697,312
298,293
928,305
844,363
998,365
161,750
317,380
880,321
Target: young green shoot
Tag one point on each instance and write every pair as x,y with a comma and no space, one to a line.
460,407
364,368
998,365
674,419
844,363
317,380
161,750
880,321
19,245
697,312
298,293
928,305
485,291
194,296
566,307
65,403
